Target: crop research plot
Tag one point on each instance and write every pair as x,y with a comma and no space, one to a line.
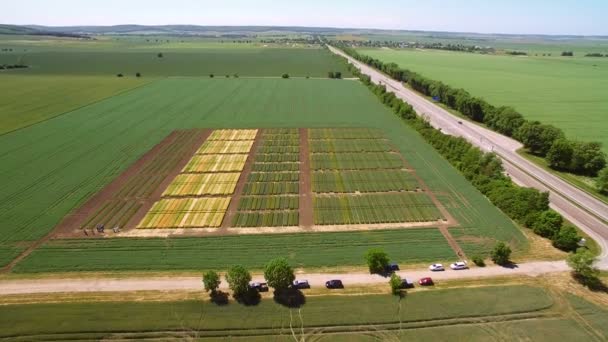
54,167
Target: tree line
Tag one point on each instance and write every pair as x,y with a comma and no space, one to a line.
529,207
416,45
544,140
13,66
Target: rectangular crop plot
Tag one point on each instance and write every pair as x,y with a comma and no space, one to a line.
199,184
363,181
225,147
266,219
233,134
271,188
350,145
276,167
186,213
345,133
374,208
355,161
216,163
269,203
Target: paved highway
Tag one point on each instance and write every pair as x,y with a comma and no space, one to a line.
582,209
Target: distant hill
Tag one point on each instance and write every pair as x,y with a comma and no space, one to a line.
37,31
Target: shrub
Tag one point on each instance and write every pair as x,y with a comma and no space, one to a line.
395,283
501,253
138,75
160,55
477,260
211,281
330,74
119,75
602,181
583,270
566,239
377,260
548,224
211,75
285,76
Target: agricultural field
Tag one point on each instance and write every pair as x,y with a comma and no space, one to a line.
50,169
270,197
472,314
109,56
355,161
541,88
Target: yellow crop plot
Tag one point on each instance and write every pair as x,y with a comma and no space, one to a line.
233,134
216,163
225,147
186,213
199,184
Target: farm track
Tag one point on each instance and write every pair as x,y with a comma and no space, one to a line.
306,214
240,185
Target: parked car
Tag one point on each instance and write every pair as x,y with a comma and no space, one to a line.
436,267
406,283
334,284
459,265
261,287
301,284
392,267
426,281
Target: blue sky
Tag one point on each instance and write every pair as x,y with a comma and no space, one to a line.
485,16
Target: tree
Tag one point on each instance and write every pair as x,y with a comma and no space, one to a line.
395,283
279,274
160,55
138,75
211,281
538,137
285,76
583,270
330,74
566,239
548,224
377,260
238,279
338,74
602,181
501,253
211,75
560,154
119,75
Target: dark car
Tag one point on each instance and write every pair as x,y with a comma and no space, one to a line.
427,281
334,284
406,283
261,287
390,268
301,284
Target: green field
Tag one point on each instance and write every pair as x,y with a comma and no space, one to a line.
567,92
486,313
109,57
26,100
50,168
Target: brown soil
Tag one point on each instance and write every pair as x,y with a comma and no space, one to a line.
240,185
306,214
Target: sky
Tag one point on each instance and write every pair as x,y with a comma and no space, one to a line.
577,17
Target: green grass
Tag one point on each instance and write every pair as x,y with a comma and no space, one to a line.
566,92
332,313
595,315
252,251
26,100
52,167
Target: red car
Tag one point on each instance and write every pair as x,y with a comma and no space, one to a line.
426,281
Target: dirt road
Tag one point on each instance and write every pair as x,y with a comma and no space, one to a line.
587,212
11,287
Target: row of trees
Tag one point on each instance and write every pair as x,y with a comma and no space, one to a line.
13,66
578,157
527,206
416,45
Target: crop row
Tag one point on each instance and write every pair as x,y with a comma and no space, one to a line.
281,131
363,181
274,177
350,145
270,188
266,219
186,213
269,203
279,149
283,141
277,158
275,167
233,134
216,163
345,133
225,147
198,184
355,161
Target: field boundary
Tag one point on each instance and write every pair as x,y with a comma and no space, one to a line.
306,212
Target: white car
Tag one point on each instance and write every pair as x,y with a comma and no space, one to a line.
436,267
460,265
301,284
